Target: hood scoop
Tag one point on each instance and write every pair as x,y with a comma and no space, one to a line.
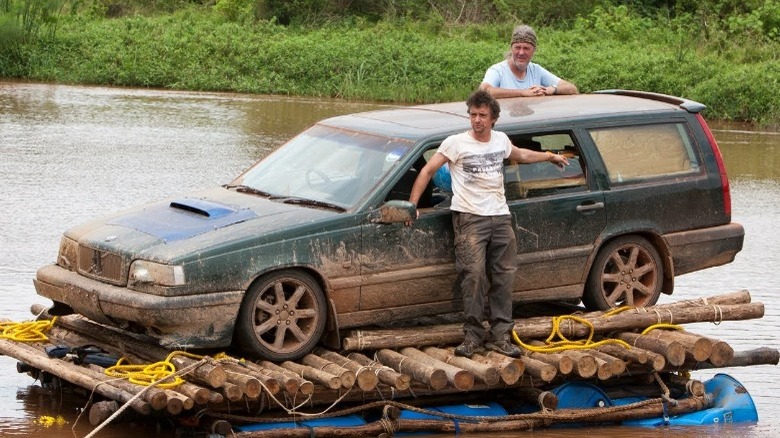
204,208
184,218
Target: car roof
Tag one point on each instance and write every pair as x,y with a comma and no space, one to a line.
422,121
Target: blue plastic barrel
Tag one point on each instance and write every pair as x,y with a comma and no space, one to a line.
731,404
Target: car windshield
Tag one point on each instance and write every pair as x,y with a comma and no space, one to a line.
324,166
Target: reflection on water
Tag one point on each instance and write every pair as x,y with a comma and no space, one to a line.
68,154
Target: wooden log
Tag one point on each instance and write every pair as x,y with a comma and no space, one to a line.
564,363
231,391
216,398
365,378
288,383
697,347
177,402
722,353
457,377
546,400
510,369
268,383
584,365
71,373
305,387
346,376
692,386
101,411
434,377
198,394
156,397
633,354
655,361
616,366
385,374
758,356
236,375
730,298
671,350
539,369
309,373
216,426
541,327
482,371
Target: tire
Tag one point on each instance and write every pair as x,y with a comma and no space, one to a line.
628,271
282,316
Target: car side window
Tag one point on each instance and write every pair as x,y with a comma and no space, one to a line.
641,152
403,188
542,179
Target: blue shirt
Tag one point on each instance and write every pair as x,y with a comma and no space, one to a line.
500,75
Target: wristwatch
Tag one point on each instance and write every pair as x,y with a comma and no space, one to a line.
555,89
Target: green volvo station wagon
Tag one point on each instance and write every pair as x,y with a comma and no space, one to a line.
311,239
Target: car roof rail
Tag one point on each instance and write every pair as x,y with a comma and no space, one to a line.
686,104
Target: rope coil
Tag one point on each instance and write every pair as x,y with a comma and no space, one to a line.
27,331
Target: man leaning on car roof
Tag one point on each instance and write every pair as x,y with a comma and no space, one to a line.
517,76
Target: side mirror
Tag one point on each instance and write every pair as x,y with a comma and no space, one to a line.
393,212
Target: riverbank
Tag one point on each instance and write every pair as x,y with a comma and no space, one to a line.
399,61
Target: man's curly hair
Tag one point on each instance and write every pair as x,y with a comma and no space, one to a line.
483,98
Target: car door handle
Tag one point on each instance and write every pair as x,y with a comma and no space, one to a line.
584,208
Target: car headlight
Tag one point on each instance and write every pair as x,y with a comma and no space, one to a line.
146,272
67,257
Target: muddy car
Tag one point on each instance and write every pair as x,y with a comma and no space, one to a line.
311,239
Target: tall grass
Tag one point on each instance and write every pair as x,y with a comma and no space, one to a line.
405,60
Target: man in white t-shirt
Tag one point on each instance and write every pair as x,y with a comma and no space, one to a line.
517,76
484,235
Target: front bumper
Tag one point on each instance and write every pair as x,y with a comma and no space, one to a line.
195,321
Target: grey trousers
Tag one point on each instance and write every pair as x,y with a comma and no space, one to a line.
485,258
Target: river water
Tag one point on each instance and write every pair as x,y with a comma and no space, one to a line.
70,153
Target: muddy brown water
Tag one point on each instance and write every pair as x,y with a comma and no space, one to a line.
70,153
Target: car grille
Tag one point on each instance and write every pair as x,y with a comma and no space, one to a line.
100,265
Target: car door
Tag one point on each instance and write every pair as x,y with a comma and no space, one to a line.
408,271
558,216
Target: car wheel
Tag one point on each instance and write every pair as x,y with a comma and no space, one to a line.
627,272
282,316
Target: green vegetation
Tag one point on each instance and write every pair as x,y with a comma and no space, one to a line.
723,53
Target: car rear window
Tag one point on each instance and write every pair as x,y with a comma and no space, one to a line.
641,152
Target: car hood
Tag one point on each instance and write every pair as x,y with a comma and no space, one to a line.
178,226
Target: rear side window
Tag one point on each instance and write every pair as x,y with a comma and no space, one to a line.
633,153
542,179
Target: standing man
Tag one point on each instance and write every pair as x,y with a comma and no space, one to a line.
517,76
484,235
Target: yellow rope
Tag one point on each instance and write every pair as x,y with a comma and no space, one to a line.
617,310
28,331
149,373
563,344
663,326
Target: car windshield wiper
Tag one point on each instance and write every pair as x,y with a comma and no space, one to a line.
247,189
314,202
